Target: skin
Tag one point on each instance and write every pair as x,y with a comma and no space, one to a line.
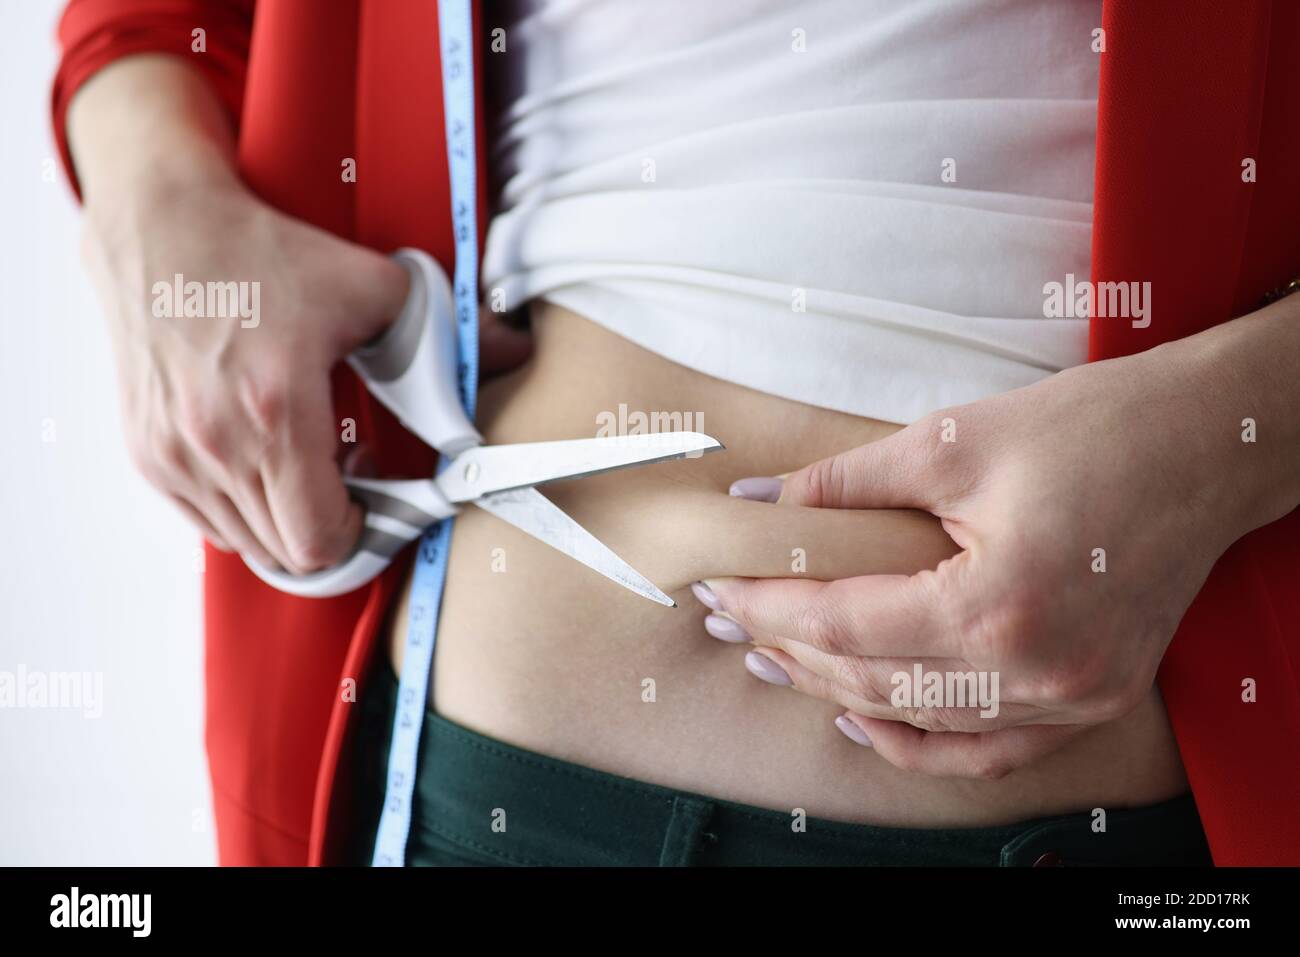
233,424
1142,456
536,650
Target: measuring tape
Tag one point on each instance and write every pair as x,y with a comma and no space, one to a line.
457,60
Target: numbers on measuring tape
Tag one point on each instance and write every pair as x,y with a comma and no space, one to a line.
454,28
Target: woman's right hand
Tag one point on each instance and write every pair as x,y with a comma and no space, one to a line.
231,418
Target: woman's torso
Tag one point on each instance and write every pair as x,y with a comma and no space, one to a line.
737,219
536,650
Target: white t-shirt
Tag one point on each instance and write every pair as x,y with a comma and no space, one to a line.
851,203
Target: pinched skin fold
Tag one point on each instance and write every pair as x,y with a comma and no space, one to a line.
536,650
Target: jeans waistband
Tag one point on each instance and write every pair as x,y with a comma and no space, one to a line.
482,801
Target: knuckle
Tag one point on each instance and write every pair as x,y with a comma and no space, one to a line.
877,680
316,549
165,453
1110,708
1003,630
817,687
905,759
267,402
1109,702
312,552
820,482
989,768
933,720
202,429
857,675
1073,685
1093,682
816,624
825,483
739,605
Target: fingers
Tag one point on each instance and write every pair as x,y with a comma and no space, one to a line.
218,454
206,505
370,287
241,490
221,512
258,475
933,694
249,497
780,668
863,684
884,688
202,524
881,474
896,616
308,502
990,755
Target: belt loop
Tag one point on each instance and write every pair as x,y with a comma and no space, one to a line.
685,831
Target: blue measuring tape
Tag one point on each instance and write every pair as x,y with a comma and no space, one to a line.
457,57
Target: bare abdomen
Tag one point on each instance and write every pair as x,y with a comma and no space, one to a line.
536,650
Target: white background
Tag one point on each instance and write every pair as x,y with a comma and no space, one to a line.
97,573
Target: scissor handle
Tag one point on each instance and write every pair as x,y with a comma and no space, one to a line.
397,512
413,367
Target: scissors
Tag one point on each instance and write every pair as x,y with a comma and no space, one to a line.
411,368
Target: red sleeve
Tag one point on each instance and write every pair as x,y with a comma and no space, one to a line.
94,33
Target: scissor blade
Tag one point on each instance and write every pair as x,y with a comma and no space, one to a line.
486,469
534,514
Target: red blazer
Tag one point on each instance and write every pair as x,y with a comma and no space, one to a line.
1189,89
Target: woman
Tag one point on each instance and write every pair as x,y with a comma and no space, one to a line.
673,753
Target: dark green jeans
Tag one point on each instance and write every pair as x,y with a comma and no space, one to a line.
479,801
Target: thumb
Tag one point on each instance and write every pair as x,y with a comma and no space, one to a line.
371,290
883,474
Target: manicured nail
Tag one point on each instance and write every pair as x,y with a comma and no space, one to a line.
705,594
766,669
852,731
724,629
756,489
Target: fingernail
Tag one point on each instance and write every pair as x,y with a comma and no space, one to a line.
705,594
767,670
852,731
724,629
756,489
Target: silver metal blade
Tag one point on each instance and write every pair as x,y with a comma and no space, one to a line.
485,469
534,514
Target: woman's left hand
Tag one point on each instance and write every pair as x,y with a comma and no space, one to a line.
1090,508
